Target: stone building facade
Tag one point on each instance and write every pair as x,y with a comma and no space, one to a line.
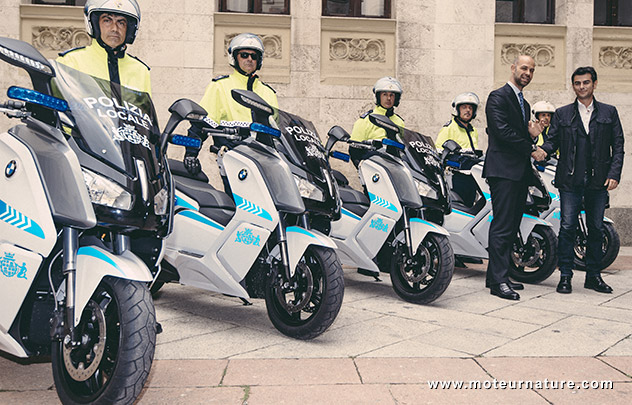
323,68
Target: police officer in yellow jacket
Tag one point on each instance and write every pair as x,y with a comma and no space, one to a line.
245,55
543,111
459,128
113,24
388,92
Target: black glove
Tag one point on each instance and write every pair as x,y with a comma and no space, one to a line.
192,163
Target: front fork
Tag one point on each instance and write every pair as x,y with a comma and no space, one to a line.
63,321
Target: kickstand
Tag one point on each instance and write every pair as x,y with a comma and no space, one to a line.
245,301
378,279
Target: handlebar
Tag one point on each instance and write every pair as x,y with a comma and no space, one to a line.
14,109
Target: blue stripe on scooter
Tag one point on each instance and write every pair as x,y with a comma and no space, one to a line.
382,202
423,222
248,206
300,230
97,254
180,202
15,218
200,218
463,213
350,214
532,217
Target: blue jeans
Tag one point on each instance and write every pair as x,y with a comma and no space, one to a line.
571,206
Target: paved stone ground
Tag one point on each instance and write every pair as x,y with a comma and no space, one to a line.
382,350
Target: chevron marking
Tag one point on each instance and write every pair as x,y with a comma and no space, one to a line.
15,218
251,207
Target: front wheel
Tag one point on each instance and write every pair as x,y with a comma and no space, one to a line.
424,277
534,261
117,332
610,247
307,305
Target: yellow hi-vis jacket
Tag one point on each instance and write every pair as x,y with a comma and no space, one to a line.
542,137
220,105
458,133
93,60
364,130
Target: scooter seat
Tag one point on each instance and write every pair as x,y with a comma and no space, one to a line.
177,169
214,204
354,200
340,178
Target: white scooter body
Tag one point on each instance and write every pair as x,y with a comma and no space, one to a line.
359,239
28,234
214,257
469,233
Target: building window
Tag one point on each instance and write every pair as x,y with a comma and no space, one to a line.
613,12
255,6
61,2
525,11
357,8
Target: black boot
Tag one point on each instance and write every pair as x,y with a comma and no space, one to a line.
564,286
596,283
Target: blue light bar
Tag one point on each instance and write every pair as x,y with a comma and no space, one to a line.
340,155
390,142
35,97
452,163
187,141
255,126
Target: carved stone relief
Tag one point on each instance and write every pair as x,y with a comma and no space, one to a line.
59,38
272,45
616,57
357,49
543,54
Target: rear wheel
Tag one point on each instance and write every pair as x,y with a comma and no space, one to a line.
424,277
610,247
118,337
534,261
308,304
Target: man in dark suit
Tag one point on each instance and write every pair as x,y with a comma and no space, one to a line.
507,169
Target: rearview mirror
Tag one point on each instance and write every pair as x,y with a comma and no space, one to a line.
252,101
451,146
335,134
384,122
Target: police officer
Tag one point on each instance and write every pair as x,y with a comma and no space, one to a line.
459,128
245,55
543,112
113,24
388,92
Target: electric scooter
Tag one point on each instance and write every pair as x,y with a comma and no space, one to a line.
248,244
80,174
534,254
385,232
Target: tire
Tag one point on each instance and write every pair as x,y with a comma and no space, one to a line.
119,328
309,310
425,282
537,260
610,247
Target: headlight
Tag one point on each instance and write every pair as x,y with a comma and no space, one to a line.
425,190
161,202
104,191
308,190
534,191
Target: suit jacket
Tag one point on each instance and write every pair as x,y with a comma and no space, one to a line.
606,143
509,144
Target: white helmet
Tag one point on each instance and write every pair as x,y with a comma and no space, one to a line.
542,107
465,98
126,8
245,41
388,83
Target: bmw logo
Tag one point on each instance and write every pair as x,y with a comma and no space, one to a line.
243,173
11,168
376,178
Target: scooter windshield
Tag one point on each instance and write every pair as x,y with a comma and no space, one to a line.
113,123
422,149
303,142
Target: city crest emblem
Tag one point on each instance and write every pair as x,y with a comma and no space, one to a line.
248,238
10,267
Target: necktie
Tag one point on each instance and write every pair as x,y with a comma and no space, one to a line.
521,100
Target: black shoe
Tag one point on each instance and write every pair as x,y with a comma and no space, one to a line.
564,286
596,283
503,290
515,286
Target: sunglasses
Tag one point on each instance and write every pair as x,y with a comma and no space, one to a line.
245,55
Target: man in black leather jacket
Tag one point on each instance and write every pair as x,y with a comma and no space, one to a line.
590,141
